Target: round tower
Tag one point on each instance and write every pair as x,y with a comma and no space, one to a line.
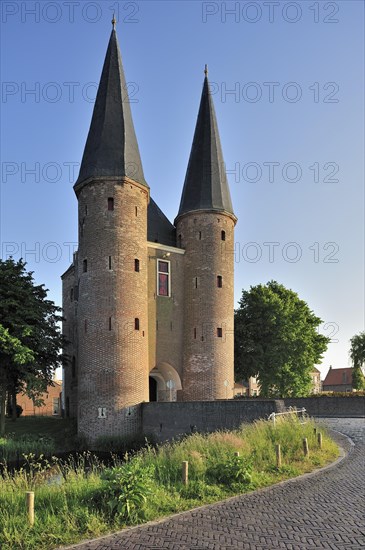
112,265
205,229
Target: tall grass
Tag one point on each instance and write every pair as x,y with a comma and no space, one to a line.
72,498
12,448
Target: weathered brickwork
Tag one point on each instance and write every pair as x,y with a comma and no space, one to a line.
208,305
135,332
113,351
69,329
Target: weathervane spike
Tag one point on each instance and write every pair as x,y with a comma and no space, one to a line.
206,70
114,21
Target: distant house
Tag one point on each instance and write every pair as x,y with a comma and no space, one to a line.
51,398
316,381
338,380
248,388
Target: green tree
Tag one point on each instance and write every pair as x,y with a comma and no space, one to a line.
357,355
33,320
13,354
276,340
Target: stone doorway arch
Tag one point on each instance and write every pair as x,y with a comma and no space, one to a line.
168,383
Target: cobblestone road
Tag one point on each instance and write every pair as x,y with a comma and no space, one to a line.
325,510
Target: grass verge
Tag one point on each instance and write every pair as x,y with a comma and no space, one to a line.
80,498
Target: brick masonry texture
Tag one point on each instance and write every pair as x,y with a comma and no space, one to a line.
169,420
330,406
112,354
208,359
324,510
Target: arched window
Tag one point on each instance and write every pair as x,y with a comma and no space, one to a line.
219,281
223,235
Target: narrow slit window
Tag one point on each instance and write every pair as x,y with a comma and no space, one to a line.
200,235
136,210
136,323
196,282
219,332
110,203
223,235
163,278
219,281
110,262
136,265
194,333
110,323
84,266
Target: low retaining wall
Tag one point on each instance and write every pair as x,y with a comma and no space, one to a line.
168,420
353,407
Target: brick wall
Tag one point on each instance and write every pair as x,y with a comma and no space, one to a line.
208,359
113,353
168,420
52,402
330,406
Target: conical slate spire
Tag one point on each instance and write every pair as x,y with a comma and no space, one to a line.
111,148
206,186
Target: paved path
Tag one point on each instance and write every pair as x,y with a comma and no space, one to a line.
325,510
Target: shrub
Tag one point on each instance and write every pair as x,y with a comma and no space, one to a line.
235,469
126,489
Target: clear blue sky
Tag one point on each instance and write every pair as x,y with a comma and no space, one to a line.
292,131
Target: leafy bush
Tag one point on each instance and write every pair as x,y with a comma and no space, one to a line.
235,469
19,410
126,489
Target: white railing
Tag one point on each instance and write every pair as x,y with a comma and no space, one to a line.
302,411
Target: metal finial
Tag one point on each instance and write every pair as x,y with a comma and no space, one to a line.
114,21
206,70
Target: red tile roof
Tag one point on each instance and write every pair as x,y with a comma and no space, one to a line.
338,377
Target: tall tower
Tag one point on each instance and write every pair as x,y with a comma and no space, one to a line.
205,228
112,264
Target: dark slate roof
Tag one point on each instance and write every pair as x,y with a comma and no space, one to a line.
206,186
111,148
159,228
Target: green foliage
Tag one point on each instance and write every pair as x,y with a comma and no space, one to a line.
234,470
357,349
127,487
276,340
358,379
12,448
72,496
30,336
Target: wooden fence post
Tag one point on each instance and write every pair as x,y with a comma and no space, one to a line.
237,453
320,440
30,507
278,455
185,472
305,447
